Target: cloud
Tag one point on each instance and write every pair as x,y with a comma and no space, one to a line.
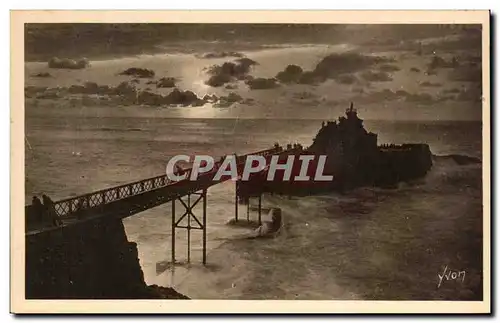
166,82
473,94
42,74
262,83
346,79
388,68
230,99
371,76
229,71
466,74
453,90
430,84
414,69
305,95
399,95
231,86
291,74
138,72
439,62
335,64
222,54
66,63
339,67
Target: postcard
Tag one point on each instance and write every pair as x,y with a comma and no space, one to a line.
250,162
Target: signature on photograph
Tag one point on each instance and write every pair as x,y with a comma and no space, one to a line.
449,274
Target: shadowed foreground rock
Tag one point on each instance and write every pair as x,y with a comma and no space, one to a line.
89,260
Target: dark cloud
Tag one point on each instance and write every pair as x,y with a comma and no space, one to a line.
229,71
473,94
219,80
229,100
430,84
466,74
311,78
262,83
422,98
291,74
470,39
305,95
359,90
346,79
371,76
399,95
231,86
388,68
439,62
138,72
222,54
339,67
42,74
166,82
336,64
67,63
453,90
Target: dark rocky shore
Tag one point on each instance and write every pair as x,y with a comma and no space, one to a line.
87,260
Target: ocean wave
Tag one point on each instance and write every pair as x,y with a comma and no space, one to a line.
458,159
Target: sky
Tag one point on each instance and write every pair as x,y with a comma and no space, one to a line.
403,72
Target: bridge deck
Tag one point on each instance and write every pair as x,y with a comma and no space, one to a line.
129,199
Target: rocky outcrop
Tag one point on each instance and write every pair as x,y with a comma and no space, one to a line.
89,260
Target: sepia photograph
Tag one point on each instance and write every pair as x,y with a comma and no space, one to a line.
322,159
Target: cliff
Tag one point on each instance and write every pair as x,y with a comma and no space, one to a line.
89,260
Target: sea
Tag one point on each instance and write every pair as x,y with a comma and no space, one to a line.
368,243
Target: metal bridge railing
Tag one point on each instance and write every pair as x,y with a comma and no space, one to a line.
99,198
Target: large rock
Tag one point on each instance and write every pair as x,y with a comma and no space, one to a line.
91,259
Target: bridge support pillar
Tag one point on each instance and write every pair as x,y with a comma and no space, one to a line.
236,201
260,209
184,221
